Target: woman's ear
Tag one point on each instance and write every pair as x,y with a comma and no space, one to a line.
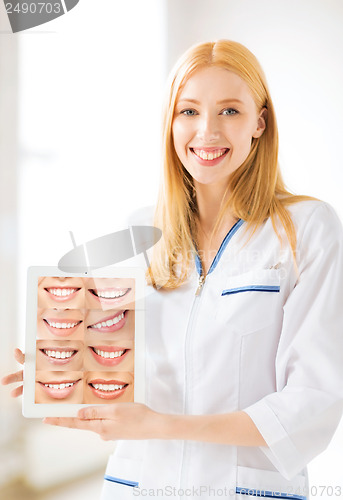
261,123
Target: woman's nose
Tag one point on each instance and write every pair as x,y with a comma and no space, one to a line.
208,128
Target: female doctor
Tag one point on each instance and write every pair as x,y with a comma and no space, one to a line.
245,320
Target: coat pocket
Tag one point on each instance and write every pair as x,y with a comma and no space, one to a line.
260,280
260,484
121,480
251,300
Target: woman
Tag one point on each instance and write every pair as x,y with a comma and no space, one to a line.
244,324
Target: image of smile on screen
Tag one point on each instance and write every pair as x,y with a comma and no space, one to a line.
84,339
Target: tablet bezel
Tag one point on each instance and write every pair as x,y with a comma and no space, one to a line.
31,409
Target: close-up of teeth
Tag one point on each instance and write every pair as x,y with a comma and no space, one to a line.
209,156
106,354
62,325
108,387
61,292
109,322
59,354
60,386
110,295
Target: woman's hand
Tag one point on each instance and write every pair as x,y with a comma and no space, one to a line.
15,377
116,421
137,421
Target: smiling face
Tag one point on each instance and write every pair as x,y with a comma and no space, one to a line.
54,324
113,325
214,122
104,355
110,293
108,387
60,292
59,387
59,355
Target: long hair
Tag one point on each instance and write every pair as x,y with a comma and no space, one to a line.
256,189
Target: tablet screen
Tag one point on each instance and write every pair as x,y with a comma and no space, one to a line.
85,340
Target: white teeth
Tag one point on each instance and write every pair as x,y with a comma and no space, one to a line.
61,325
106,354
61,292
109,322
59,354
110,295
60,386
209,156
107,387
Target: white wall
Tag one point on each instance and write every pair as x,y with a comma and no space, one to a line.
90,121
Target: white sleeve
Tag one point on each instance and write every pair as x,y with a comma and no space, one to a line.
299,420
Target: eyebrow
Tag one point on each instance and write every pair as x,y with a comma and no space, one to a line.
223,101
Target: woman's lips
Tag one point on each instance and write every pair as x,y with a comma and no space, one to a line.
61,327
110,323
108,389
62,293
209,157
59,355
109,296
60,389
109,355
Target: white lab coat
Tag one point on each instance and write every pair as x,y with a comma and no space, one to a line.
258,338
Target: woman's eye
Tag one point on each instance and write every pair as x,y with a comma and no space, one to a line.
229,111
188,112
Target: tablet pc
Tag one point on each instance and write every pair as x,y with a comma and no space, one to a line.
84,340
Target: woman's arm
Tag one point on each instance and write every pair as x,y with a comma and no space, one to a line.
137,421
235,428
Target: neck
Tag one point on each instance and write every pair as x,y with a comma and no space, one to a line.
210,199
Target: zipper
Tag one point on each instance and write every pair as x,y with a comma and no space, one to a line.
188,375
189,334
200,285
202,276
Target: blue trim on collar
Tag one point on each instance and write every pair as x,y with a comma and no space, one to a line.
222,247
268,494
198,264
126,482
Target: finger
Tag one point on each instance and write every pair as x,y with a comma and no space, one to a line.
74,423
12,377
19,356
18,391
97,412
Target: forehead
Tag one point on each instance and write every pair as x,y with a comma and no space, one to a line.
216,83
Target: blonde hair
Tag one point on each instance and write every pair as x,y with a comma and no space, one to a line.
256,189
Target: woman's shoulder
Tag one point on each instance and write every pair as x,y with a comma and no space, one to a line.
314,216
